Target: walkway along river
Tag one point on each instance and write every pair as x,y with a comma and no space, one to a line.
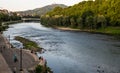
69,51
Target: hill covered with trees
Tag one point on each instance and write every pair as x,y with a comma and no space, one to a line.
91,15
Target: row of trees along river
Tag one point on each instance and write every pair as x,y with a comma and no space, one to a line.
7,17
90,15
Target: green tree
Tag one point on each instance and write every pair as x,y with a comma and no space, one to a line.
90,22
66,21
79,22
73,22
98,13
101,21
85,15
39,69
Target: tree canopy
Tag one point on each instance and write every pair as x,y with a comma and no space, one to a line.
87,14
7,17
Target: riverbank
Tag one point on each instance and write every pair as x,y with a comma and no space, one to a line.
29,56
27,44
11,22
28,60
114,31
5,25
32,48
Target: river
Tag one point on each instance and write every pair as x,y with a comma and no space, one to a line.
70,51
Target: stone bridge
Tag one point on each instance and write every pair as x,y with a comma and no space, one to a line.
31,19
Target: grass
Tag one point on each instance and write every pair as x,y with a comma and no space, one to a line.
28,44
110,30
115,31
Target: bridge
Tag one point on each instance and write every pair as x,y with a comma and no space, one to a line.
30,19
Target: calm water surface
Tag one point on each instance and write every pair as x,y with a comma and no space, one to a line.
71,52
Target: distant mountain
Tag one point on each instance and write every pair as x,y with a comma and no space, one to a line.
42,10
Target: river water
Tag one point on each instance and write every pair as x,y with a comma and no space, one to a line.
70,51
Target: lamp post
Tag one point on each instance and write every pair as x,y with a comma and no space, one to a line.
9,41
21,60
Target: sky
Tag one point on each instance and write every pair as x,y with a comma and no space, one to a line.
21,5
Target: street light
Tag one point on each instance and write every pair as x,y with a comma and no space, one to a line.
9,41
21,69
21,60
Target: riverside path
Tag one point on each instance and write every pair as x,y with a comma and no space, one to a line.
7,63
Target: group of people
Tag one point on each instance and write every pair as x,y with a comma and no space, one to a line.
42,61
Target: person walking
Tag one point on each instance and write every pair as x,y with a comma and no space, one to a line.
15,58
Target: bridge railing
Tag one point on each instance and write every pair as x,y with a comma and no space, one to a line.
31,19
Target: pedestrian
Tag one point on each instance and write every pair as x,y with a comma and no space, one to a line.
15,58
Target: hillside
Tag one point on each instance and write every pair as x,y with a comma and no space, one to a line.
42,10
101,15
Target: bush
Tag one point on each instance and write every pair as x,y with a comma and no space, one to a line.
39,69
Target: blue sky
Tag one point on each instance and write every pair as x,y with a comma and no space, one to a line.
19,5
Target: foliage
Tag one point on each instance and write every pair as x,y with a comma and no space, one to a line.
42,69
4,17
85,15
28,44
39,69
109,30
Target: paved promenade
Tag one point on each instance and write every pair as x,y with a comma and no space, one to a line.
7,54
4,66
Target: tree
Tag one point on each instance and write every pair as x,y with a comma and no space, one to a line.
66,21
87,14
73,23
39,69
79,22
89,22
101,21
